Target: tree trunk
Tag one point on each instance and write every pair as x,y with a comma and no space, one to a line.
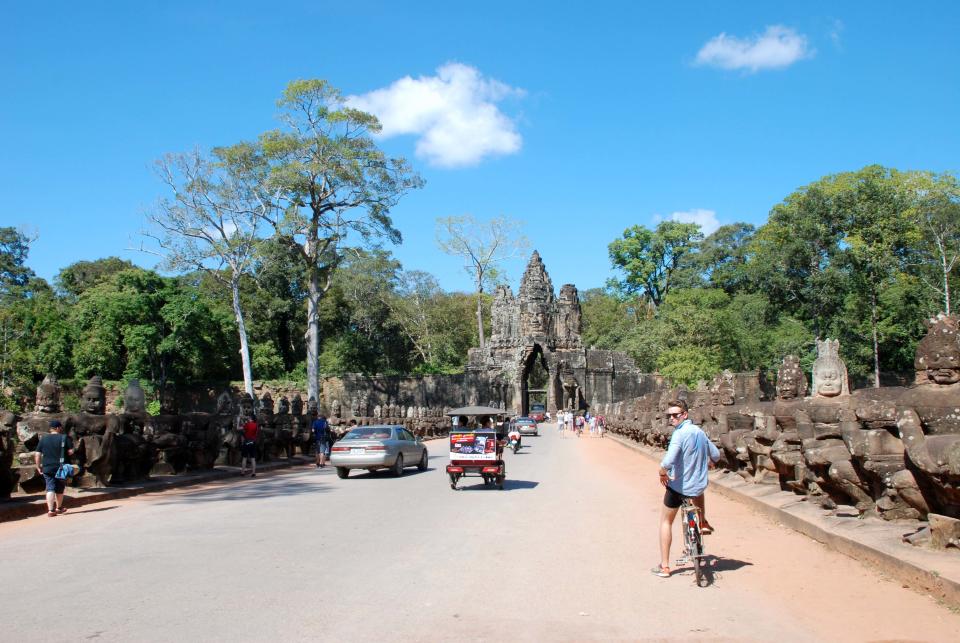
242,331
876,342
313,337
480,318
946,284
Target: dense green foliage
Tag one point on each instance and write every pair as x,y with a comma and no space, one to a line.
861,256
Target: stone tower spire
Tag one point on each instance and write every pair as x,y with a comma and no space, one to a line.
536,300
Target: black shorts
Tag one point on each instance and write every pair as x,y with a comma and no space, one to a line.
248,450
53,484
672,499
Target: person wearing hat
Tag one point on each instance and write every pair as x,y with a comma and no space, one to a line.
54,449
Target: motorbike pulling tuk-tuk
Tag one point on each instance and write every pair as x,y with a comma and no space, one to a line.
476,445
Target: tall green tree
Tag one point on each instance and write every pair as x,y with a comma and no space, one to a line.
935,208
211,222
333,188
649,259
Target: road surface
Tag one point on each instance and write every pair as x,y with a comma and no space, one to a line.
562,554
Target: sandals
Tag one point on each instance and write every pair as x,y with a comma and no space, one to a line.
660,571
706,530
62,510
51,514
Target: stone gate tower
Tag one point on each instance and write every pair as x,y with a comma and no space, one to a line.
537,326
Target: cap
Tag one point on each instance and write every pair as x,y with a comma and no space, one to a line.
55,424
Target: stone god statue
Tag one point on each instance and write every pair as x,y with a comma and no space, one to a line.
8,478
32,425
791,382
93,441
829,371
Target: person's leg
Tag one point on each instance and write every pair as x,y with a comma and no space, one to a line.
701,503
667,514
51,502
253,467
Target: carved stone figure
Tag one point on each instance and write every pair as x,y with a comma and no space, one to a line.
92,441
829,371
791,382
8,477
32,425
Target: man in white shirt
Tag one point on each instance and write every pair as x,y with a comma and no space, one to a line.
683,472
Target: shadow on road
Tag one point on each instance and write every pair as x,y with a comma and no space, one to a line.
248,488
71,512
508,485
715,565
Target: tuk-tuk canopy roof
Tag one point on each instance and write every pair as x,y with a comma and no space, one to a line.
477,410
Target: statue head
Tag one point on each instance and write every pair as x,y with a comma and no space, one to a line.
335,408
829,371
296,404
266,404
246,405
48,395
722,391
938,353
93,398
313,409
8,424
283,405
224,403
134,399
791,382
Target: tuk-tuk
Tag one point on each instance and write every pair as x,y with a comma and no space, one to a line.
476,444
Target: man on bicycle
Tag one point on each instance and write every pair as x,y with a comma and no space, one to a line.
683,471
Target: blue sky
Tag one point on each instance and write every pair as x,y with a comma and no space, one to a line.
578,120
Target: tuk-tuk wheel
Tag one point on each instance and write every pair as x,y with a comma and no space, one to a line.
500,482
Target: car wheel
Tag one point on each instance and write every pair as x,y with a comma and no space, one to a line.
422,466
397,469
342,472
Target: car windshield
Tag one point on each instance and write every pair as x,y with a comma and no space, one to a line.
524,421
368,433
537,407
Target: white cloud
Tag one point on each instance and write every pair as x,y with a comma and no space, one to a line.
706,219
454,114
778,47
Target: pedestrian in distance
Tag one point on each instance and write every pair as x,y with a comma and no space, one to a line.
53,450
250,431
321,440
683,473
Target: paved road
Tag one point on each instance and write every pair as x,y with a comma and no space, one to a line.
562,553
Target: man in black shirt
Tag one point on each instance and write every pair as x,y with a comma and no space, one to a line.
54,449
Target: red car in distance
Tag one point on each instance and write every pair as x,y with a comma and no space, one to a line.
537,412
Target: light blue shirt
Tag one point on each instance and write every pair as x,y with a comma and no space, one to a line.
687,459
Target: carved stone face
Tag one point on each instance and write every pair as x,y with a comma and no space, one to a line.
828,382
829,371
48,395
266,404
938,353
93,399
791,382
283,406
296,405
246,405
224,403
134,399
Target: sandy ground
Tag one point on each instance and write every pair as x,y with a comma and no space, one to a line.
563,554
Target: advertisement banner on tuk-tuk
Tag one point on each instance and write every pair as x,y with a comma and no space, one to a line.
474,445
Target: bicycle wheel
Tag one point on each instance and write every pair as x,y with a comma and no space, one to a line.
696,553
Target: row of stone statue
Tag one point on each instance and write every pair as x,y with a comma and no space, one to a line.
114,448
892,452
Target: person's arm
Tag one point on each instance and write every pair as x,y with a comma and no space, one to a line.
714,452
669,459
36,461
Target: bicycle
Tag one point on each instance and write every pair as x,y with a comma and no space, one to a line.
692,539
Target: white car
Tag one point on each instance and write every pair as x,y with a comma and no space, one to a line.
378,447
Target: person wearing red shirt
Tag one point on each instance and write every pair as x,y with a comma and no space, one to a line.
248,447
